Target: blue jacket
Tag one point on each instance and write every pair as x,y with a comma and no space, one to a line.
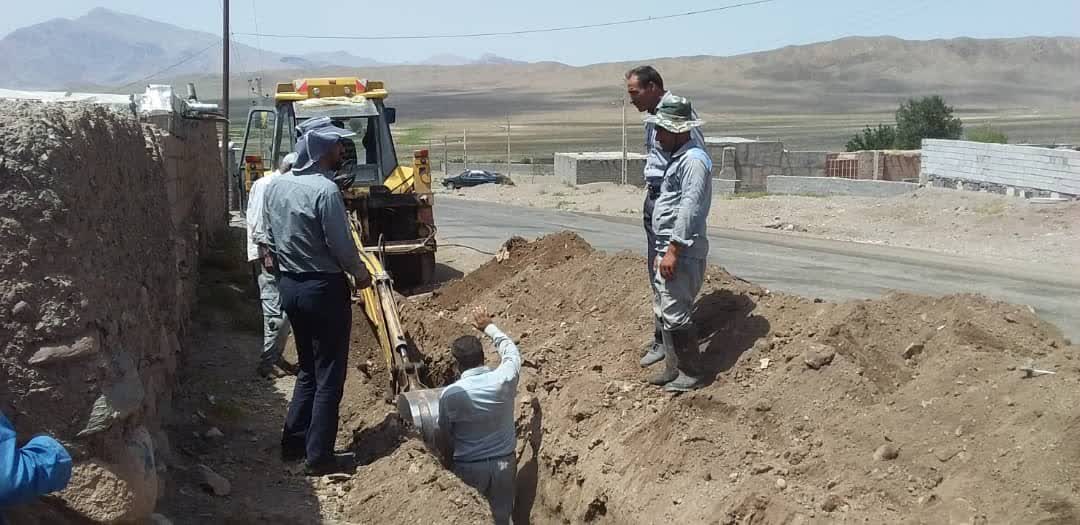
41,466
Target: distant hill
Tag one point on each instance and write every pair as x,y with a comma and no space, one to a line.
111,51
850,75
106,48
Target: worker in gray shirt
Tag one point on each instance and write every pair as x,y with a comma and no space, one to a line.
645,87
477,414
307,229
682,246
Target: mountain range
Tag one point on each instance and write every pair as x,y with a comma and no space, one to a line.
110,49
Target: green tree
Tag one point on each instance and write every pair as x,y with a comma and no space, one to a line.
883,137
987,133
925,118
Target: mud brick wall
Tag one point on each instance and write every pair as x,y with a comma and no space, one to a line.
102,222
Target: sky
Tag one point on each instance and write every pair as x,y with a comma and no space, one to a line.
735,31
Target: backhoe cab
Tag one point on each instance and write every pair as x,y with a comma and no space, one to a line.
390,204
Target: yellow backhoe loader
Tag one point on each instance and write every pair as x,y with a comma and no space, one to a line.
390,205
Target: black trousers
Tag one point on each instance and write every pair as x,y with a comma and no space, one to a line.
320,309
651,193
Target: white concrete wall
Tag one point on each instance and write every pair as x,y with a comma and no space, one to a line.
1002,164
825,186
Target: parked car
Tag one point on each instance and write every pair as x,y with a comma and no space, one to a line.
469,178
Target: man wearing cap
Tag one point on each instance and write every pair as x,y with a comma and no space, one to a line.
645,87
308,232
682,247
275,323
477,415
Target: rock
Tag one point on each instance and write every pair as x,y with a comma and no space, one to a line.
886,452
819,356
913,350
761,469
122,492
23,312
1009,401
119,400
831,503
733,476
781,484
763,405
82,347
214,433
158,519
217,485
1010,318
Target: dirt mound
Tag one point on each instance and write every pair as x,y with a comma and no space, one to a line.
410,486
99,247
901,409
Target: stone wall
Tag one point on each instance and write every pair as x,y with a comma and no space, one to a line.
587,168
1001,168
102,222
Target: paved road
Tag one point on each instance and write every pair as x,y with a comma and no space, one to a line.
809,267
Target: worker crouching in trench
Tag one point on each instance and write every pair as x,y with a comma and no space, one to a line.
474,430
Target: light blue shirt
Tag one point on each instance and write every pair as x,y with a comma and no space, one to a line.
478,410
307,227
681,210
656,159
39,467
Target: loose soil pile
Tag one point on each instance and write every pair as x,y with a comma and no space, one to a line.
901,409
905,409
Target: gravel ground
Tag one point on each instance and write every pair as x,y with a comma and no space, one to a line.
962,223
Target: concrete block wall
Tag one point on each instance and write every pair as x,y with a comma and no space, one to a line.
827,186
754,161
1001,166
804,163
587,168
899,166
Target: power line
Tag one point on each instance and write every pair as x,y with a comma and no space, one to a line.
510,33
187,59
258,41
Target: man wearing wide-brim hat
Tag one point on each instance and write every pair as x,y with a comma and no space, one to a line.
308,232
679,222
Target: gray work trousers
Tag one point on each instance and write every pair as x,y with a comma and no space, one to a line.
275,322
494,479
673,299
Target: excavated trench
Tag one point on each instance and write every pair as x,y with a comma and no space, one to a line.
901,409
904,408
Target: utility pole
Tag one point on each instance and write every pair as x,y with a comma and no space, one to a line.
445,158
465,147
507,144
624,140
225,96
